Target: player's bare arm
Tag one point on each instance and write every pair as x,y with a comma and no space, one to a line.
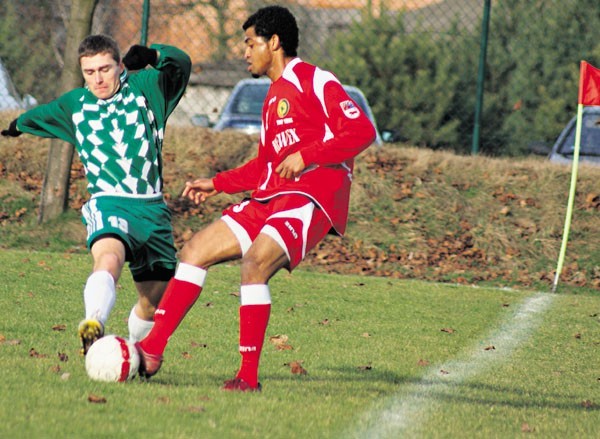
292,166
199,190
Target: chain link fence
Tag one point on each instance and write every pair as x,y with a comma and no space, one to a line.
417,61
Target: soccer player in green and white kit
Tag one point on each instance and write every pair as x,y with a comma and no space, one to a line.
117,123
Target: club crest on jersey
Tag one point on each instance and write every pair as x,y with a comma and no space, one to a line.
283,108
350,109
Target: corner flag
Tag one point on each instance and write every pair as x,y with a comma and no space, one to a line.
589,94
589,84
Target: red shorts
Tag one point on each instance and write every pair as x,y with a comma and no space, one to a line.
292,220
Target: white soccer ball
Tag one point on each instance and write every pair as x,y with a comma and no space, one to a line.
112,359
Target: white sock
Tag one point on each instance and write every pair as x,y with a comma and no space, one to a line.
255,295
99,296
138,328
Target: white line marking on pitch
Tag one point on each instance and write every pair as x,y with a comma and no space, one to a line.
411,409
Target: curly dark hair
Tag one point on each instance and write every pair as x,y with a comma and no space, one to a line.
278,20
96,44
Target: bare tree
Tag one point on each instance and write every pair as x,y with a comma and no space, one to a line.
55,191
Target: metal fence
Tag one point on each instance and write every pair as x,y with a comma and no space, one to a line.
419,62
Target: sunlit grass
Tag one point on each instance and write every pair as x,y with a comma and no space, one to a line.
363,341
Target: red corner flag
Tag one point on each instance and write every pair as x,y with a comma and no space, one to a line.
589,84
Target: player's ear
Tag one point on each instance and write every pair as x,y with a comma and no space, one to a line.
275,42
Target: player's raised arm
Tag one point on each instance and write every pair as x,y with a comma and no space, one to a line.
139,57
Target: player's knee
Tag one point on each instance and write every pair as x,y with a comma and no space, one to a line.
256,270
109,261
192,253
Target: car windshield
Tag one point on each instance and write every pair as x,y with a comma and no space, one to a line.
590,137
249,100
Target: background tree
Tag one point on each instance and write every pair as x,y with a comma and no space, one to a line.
55,190
534,86
409,79
29,33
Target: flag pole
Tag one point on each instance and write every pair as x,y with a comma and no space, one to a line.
563,247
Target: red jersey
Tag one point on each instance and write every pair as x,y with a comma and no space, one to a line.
306,110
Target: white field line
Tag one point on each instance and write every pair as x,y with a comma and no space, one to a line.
406,412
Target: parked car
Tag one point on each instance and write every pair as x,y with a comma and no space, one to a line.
589,150
243,108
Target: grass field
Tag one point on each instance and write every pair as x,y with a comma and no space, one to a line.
383,358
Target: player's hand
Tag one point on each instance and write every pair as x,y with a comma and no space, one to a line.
12,130
139,57
292,166
199,190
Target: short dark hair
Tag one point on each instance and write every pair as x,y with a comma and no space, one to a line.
95,44
273,20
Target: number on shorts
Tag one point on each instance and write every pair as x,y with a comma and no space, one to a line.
119,223
239,207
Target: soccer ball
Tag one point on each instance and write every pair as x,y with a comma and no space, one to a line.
112,359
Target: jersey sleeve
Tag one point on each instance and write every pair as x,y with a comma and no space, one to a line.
350,130
240,179
51,120
165,84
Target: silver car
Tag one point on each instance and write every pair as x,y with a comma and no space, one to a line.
589,151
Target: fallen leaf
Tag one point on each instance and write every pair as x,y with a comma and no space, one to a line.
490,348
587,404
63,357
195,344
365,367
592,201
505,211
36,354
60,327
365,335
444,372
448,330
196,409
278,339
280,342
422,363
525,428
95,399
577,336
296,368
186,355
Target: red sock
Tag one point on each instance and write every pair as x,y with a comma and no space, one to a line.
253,326
174,305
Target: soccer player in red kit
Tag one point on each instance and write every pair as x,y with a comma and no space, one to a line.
311,132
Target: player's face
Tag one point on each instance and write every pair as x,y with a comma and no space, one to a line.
101,74
258,53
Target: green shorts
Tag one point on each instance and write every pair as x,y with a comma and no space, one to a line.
144,227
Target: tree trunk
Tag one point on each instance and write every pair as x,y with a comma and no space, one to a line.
55,191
